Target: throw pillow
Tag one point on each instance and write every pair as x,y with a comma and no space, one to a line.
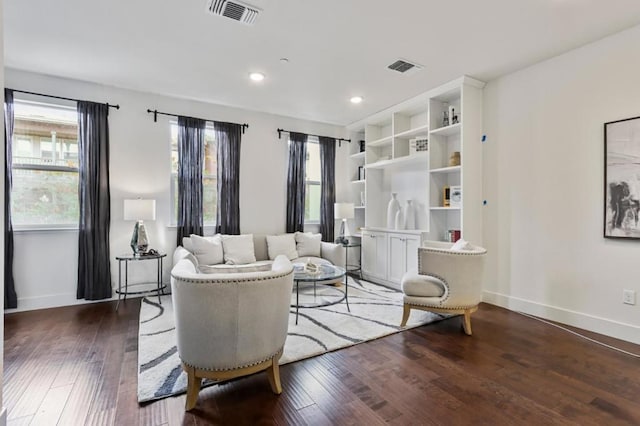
282,244
238,249
208,250
461,245
308,244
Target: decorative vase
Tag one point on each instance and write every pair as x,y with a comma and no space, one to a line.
410,216
399,222
392,209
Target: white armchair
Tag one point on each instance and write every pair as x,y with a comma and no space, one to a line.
230,324
447,281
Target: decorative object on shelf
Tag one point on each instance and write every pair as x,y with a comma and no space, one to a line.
410,216
392,209
455,196
453,235
621,170
454,159
139,210
446,196
343,211
362,146
445,119
362,199
399,220
361,170
418,145
310,267
453,117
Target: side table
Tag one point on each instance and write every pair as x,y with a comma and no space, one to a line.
158,285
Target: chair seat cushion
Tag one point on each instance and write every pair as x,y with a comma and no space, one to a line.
422,285
258,266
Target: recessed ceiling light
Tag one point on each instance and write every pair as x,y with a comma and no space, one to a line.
284,60
356,99
256,76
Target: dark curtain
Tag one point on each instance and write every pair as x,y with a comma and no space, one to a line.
328,187
94,271
190,164
10,298
295,181
228,137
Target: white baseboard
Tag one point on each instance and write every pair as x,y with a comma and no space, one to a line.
616,329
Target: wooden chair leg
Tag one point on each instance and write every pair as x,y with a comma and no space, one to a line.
467,322
193,388
405,315
273,373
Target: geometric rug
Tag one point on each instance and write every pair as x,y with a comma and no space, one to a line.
376,311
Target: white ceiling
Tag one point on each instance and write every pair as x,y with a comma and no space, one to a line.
336,48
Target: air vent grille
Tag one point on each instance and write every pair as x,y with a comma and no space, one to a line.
403,66
235,10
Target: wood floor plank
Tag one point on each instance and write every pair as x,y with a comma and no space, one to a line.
78,365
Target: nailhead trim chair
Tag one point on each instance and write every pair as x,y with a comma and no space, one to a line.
447,282
231,324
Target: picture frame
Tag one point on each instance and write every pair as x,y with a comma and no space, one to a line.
455,196
622,179
361,173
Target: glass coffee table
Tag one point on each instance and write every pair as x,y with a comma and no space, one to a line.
325,273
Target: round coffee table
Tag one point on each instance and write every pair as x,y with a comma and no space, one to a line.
325,273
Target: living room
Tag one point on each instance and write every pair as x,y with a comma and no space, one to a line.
554,73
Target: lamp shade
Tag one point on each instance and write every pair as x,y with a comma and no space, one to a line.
139,209
343,210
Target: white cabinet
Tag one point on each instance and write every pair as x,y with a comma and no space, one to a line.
374,255
387,256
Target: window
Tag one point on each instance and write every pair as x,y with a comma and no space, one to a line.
45,165
312,182
209,176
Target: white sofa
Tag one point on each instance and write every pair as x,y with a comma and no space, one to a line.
321,252
230,324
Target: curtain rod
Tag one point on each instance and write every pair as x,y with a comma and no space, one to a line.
62,97
339,140
155,113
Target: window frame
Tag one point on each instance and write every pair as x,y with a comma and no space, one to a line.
309,182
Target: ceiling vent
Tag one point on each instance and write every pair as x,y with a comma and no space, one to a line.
235,10
404,67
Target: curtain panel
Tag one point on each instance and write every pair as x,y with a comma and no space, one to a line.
328,187
10,297
190,165
296,181
228,137
94,271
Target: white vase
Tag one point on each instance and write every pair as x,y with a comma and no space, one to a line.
399,222
410,216
392,209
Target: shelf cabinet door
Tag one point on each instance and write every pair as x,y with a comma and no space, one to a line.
374,255
397,257
411,252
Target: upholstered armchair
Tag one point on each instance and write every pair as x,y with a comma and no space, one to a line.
447,281
230,324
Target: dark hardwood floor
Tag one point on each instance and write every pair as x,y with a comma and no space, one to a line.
77,365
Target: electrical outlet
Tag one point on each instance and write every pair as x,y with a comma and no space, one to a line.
629,297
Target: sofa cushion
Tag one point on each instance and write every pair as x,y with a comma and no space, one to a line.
182,253
238,249
282,244
422,285
260,265
260,247
186,243
308,244
208,250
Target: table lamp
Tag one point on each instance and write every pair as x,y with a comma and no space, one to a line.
139,210
343,211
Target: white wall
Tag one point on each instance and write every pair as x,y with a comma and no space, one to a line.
46,262
3,413
543,165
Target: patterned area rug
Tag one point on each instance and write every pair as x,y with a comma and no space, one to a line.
376,311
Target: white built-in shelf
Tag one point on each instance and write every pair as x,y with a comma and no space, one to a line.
454,129
381,142
357,155
396,231
407,160
452,169
422,130
444,208
359,207
357,235
358,181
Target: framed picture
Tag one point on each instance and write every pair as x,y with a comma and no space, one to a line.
361,171
455,196
622,178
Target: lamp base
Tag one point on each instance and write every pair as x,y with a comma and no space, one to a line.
139,241
344,233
